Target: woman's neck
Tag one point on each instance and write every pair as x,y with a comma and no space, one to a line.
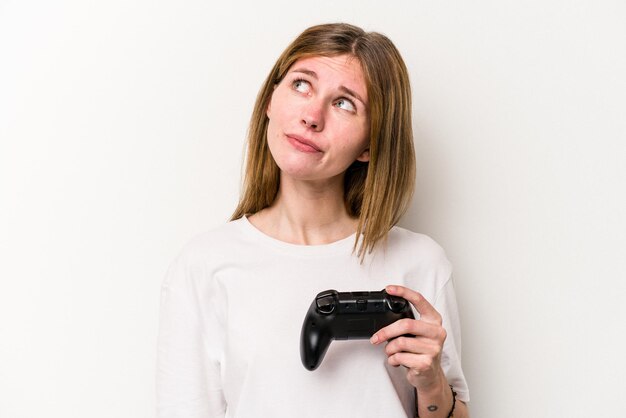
306,214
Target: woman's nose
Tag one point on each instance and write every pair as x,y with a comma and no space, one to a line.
313,116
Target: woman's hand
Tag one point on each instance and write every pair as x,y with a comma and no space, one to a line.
421,355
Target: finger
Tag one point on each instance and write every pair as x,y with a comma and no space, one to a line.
425,309
411,327
417,362
413,345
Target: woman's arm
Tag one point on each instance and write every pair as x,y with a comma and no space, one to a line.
188,374
421,355
436,402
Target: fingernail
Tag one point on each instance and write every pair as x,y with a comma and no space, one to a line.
391,288
374,339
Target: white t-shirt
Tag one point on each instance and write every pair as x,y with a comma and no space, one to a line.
232,308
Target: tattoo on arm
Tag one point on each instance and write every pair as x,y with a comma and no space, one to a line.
432,408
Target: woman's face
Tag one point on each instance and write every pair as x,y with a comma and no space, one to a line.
318,118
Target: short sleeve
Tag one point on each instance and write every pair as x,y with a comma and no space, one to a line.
188,378
445,304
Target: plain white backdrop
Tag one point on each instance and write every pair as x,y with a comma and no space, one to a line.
122,127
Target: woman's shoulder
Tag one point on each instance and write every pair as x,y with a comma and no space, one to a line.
419,260
220,239
405,237
404,242
205,252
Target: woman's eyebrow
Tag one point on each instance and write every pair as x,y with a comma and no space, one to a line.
353,94
307,72
342,88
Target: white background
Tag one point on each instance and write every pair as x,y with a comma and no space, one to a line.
121,136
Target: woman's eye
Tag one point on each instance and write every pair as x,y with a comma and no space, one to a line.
301,85
345,104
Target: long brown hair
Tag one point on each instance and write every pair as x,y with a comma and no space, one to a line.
377,192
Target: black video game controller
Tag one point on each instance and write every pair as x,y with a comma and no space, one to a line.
346,316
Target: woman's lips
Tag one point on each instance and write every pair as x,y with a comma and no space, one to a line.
302,144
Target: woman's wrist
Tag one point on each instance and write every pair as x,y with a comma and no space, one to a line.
435,400
434,385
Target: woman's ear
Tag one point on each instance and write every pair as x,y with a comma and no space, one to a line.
365,156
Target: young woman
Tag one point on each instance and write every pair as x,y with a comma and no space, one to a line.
330,169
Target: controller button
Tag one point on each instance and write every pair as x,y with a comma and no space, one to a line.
396,304
325,304
330,292
361,305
